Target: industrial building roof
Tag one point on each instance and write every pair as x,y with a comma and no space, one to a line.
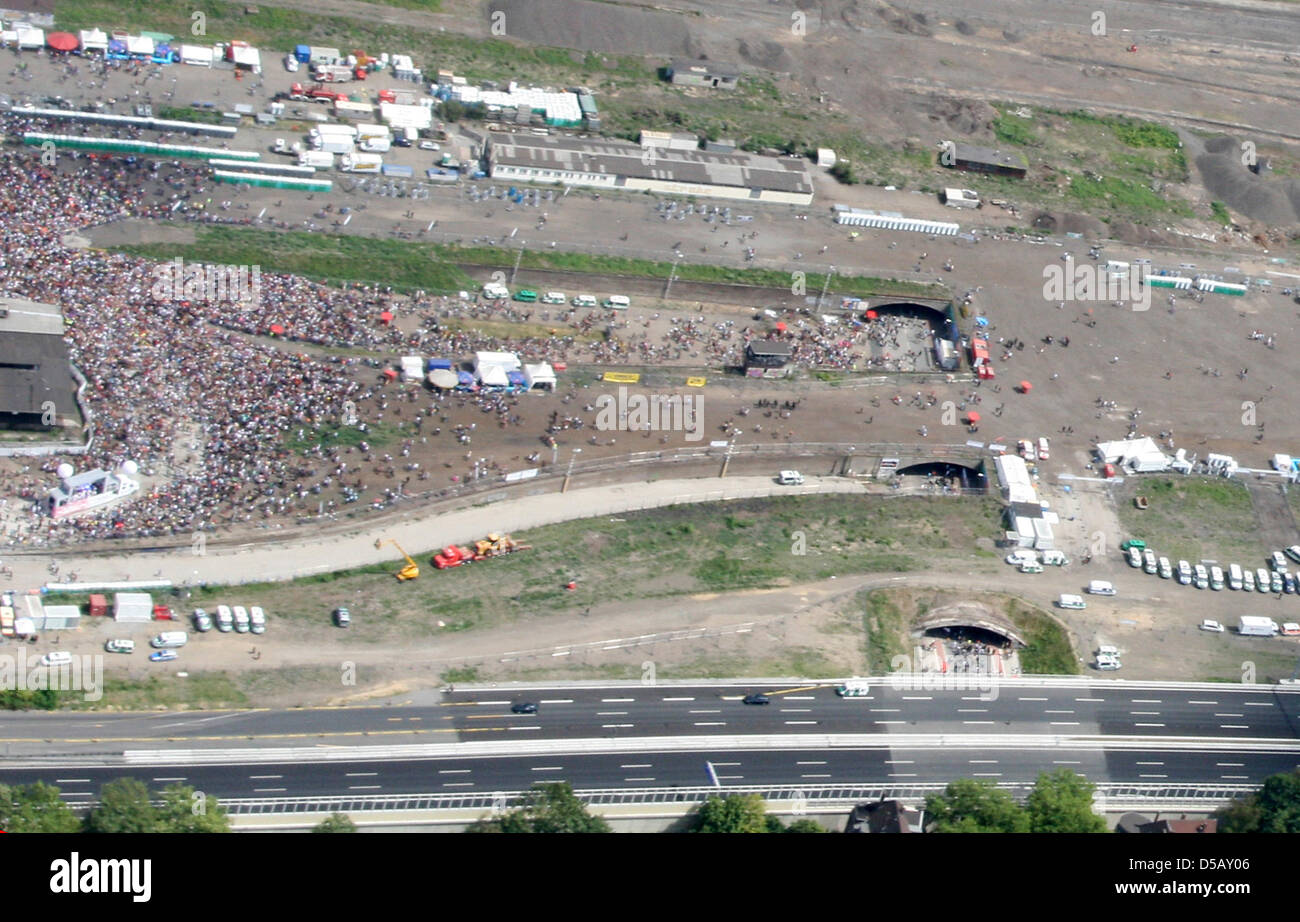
714,68
622,158
974,154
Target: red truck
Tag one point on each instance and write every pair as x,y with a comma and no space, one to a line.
452,556
339,73
316,93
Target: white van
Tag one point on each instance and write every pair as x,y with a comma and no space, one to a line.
553,297
1054,559
241,619
1031,566
1107,649
584,301
617,303
789,477
1234,576
1100,587
1216,578
494,291
257,619
225,621
1071,601
169,639
854,688
57,658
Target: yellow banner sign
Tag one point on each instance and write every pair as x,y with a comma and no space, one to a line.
620,377
696,382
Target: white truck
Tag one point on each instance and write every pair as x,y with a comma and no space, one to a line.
1256,626
361,163
334,144
365,132
375,145
317,159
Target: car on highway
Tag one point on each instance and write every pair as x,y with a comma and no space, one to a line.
120,646
342,617
1166,568
1184,573
1278,562
757,698
163,656
1294,552
1134,557
1213,626
202,621
523,707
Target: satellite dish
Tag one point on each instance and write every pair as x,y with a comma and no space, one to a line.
129,467
64,470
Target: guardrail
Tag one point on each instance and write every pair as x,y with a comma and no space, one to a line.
811,797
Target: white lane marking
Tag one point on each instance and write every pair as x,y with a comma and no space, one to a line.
1234,726
181,778
1145,701
484,703
1148,763
269,790
800,722
902,774
556,701
1229,764
563,653
800,697
611,713
547,768
730,777
1090,699
796,710
986,774
972,698
810,763
900,761
886,722
1065,762
360,774
639,765
710,723
616,700
918,697
459,784
638,779
989,722
725,764
679,699
538,727
1258,704
972,710
76,794
1202,702
815,776
1234,777
454,771
884,710
365,787
1153,776
1229,715
72,781
1147,725
983,761
1144,713
616,726
713,711
1063,711
1031,699
1063,723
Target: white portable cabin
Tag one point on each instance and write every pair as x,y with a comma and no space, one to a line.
540,376
198,55
507,361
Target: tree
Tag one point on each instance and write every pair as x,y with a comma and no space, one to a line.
1273,808
335,822
35,808
1061,801
549,808
735,813
182,811
123,807
805,825
453,110
975,806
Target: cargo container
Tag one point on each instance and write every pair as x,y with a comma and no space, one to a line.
98,606
398,170
367,131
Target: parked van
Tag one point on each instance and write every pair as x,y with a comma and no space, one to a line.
1055,559
617,303
494,291
257,619
585,301
170,639
1202,577
1100,587
526,294
1234,576
225,621
57,658
1030,566
553,297
241,619
1216,578
1108,649
1071,601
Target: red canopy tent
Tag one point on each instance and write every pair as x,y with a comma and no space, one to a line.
973,417
872,315
780,328
1025,387
277,330
62,41
390,374
386,318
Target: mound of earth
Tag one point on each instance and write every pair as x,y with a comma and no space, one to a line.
1065,222
1271,200
595,26
963,116
767,55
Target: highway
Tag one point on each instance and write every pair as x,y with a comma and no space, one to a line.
660,736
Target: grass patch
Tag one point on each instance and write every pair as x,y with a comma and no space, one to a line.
1190,518
1047,649
886,629
1220,213
199,690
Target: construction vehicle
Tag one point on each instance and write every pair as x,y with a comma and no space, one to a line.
411,570
452,556
495,545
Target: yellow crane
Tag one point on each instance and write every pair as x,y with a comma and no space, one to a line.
411,570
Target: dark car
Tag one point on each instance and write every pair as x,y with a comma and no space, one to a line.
525,707
342,617
757,699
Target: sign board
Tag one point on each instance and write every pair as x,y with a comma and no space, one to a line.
620,377
516,476
696,382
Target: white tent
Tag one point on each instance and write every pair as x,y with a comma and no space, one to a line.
412,368
132,607
247,56
540,375
27,37
508,361
492,376
198,55
93,40
139,44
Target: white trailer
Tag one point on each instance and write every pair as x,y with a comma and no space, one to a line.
361,163
317,159
1256,626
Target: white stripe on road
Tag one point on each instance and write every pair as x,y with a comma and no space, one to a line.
611,713
710,723
548,768
1234,726
459,784
638,779
1148,725
616,726
810,763
638,765
616,700
556,701
269,790
72,781
798,723
679,699
454,771
364,787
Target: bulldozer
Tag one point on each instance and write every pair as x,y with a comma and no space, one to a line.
495,545
411,570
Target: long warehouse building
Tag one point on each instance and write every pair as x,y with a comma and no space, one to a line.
623,165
